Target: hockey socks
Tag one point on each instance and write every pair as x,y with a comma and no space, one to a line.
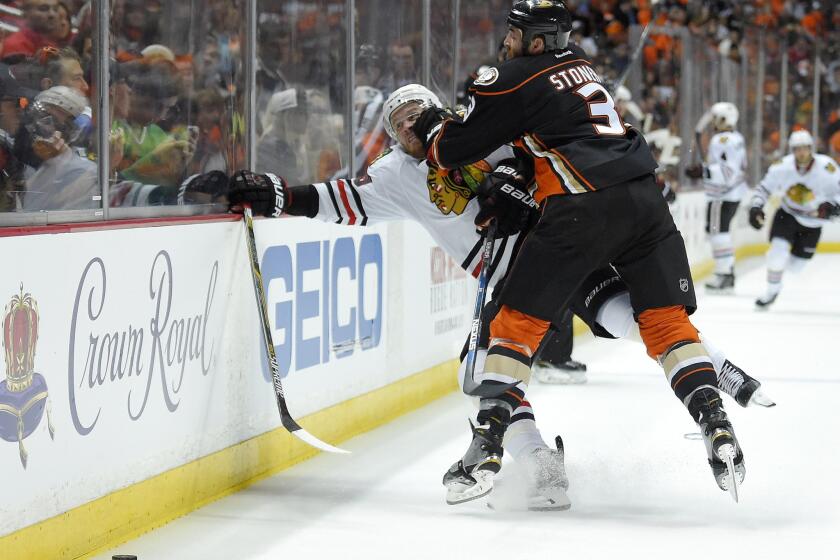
688,368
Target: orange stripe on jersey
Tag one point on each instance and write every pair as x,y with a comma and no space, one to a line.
549,181
540,73
578,175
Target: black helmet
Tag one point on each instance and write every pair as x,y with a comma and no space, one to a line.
547,18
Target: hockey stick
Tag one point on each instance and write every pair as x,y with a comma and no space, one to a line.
627,69
471,387
285,417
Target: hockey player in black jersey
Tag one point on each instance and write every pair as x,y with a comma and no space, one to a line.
599,206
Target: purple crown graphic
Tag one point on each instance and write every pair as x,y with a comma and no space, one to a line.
23,394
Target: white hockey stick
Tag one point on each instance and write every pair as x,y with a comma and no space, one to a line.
285,417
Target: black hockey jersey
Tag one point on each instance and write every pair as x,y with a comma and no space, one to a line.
556,109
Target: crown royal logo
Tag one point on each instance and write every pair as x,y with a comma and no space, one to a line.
23,394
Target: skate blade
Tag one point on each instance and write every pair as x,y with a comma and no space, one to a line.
732,480
550,500
458,493
758,398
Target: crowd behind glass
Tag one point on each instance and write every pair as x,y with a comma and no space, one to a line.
177,87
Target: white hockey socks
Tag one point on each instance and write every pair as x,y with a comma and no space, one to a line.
723,252
522,437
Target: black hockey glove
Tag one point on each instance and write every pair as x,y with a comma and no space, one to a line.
267,194
828,210
203,188
694,171
428,124
757,217
504,196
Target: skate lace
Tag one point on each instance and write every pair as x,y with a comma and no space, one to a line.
730,379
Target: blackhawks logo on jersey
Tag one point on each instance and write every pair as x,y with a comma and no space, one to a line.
800,194
830,167
450,190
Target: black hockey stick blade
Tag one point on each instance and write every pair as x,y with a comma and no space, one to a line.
285,416
471,387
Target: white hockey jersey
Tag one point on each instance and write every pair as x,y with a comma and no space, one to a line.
397,189
803,191
726,165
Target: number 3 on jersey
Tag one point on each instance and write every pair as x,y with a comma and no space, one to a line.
599,109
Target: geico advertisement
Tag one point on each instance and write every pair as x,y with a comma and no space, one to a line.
325,290
130,352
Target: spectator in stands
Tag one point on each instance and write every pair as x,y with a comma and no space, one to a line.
150,154
137,28
274,48
63,34
282,143
42,21
13,98
62,180
209,110
402,67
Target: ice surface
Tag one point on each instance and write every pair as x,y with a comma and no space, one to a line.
639,489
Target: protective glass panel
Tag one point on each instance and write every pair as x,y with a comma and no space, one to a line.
47,136
389,49
176,93
482,28
301,89
442,55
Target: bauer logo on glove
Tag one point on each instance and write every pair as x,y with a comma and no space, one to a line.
266,194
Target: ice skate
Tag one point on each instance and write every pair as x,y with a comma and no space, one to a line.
725,456
722,284
547,475
569,372
472,476
763,303
746,390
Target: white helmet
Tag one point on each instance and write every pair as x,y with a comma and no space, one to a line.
800,138
724,114
403,95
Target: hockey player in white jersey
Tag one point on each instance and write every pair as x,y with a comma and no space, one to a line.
400,185
724,182
809,184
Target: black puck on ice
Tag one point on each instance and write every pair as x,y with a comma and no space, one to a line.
124,557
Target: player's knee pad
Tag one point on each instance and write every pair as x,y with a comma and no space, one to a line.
796,264
778,254
688,368
616,315
663,327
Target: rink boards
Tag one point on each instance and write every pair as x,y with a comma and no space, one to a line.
149,395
